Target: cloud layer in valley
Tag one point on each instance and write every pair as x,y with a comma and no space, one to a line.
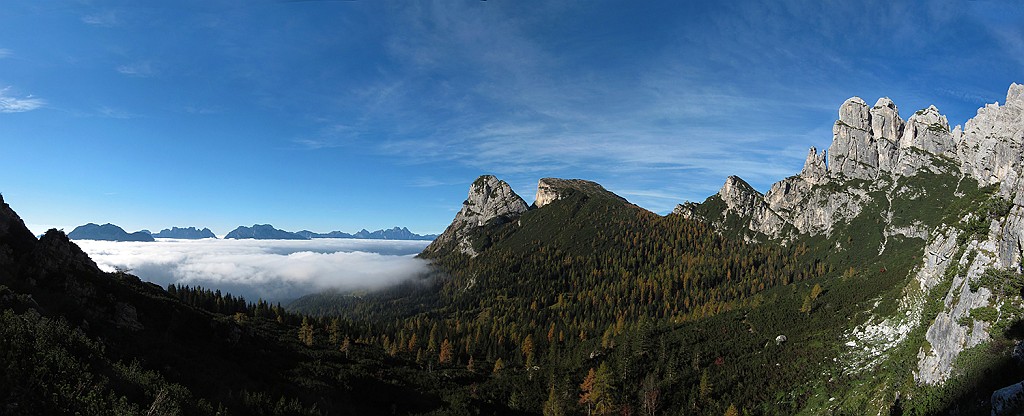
270,269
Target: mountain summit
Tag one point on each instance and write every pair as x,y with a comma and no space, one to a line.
491,201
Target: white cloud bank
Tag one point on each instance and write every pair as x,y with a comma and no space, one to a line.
277,270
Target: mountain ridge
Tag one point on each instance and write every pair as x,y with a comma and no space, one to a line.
107,232
261,232
190,233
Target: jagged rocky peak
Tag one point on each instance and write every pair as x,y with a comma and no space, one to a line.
855,113
853,152
739,196
736,186
990,143
868,142
553,189
929,131
1015,95
490,200
885,120
887,129
815,168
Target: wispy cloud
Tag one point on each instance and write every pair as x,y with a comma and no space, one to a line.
524,112
430,182
314,144
110,112
329,137
139,69
203,110
102,19
9,104
271,269
4,53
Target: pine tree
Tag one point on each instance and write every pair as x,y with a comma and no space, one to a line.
807,305
306,332
445,357
528,352
346,345
587,398
704,388
553,406
603,391
334,332
815,291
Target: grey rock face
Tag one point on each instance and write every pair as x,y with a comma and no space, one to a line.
887,128
929,131
489,200
815,169
989,147
853,153
740,197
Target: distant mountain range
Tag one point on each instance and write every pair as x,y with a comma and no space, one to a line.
262,232
107,232
111,232
190,233
391,234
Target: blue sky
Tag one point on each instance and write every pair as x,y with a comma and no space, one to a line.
338,115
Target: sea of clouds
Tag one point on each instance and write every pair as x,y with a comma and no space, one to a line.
276,270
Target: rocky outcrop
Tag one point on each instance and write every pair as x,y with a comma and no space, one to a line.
490,201
989,146
929,131
553,189
853,152
740,197
815,169
55,251
875,146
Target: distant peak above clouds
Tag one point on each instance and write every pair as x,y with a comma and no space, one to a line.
107,232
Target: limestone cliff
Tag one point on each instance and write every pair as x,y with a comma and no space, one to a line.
490,201
872,148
